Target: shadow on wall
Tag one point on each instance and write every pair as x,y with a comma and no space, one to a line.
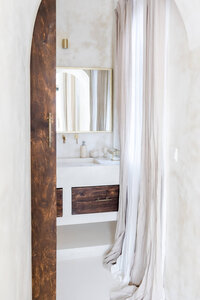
189,11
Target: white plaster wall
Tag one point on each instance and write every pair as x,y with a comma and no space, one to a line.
16,23
189,11
95,141
182,272
89,26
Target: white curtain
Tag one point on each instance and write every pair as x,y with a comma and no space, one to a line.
137,255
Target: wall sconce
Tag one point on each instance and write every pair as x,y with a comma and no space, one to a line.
65,43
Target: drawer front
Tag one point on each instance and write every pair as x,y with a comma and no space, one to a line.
59,196
95,199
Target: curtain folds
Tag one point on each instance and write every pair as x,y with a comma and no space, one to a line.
100,97
137,254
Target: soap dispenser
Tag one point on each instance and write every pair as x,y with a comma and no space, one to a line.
83,150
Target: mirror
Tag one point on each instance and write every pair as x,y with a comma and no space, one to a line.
84,100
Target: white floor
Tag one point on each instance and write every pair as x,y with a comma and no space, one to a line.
84,279
80,271
85,235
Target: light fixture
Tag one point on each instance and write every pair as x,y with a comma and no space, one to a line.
65,43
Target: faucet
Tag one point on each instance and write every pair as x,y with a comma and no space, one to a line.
64,139
76,138
114,152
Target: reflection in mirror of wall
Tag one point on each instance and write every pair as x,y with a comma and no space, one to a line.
84,100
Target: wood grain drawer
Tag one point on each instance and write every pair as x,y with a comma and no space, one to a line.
95,199
59,196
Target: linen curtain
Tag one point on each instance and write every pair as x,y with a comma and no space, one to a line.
70,101
137,255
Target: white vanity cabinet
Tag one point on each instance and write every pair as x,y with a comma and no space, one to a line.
80,173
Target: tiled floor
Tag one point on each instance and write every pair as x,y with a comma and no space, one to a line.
83,279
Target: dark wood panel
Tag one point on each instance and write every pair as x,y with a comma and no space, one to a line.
59,196
43,158
95,199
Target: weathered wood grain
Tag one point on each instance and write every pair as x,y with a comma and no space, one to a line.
59,196
95,199
43,158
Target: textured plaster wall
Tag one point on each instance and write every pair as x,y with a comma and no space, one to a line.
189,11
16,24
182,273
88,25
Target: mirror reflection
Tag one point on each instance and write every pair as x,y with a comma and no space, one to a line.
84,100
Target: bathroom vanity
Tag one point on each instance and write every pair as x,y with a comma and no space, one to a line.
88,190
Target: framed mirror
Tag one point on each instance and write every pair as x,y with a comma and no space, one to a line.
83,100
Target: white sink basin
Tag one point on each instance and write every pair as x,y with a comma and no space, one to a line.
75,162
106,162
78,162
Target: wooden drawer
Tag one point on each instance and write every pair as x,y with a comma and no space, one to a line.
59,196
95,199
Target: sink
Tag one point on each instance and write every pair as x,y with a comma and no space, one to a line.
75,162
84,162
85,172
106,162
